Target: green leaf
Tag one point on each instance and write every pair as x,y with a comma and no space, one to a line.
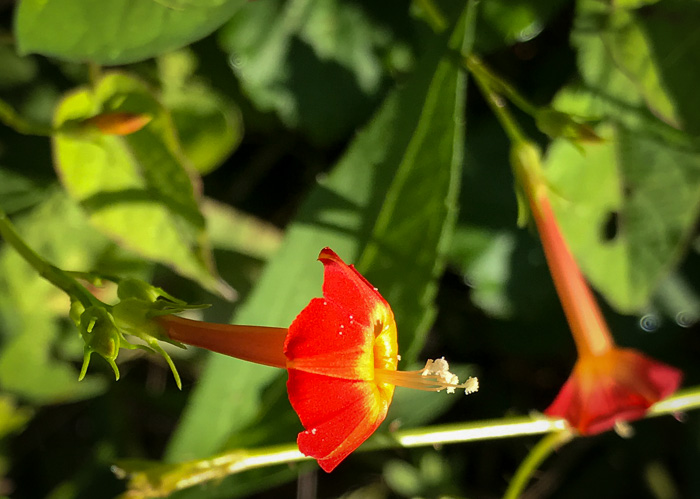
484,257
648,55
136,188
31,308
16,70
17,191
233,230
13,418
373,180
209,125
115,32
289,54
507,22
404,256
627,207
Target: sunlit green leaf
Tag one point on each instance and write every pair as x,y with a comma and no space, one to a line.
626,207
115,32
208,125
647,54
136,188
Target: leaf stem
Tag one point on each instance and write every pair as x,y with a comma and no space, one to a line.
53,274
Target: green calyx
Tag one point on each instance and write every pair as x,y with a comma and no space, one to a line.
103,328
100,334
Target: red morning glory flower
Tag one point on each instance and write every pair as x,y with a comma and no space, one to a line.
608,384
341,354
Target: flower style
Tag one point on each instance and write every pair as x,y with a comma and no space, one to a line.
341,355
608,384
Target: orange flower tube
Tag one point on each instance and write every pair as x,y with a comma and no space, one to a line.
341,355
608,384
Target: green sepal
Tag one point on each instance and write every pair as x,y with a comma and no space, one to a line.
523,207
163,303
563,125
525,159
101,335
76,310
134,316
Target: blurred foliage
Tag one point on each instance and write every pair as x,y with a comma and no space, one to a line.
280,127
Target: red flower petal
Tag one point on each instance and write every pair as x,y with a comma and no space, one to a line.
325,339
619,385
332,350
338,414
348,289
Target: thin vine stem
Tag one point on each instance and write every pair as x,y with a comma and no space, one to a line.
54,275
494,95
534,459
497,84
162,480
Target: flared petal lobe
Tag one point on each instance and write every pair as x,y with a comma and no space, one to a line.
337,414
619,385
332,350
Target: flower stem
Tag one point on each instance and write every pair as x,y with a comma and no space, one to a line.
534,459
583,314
496,84
54,275
494,99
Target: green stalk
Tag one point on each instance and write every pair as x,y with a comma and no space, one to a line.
53,274
534,459
479,70
493,89
162,480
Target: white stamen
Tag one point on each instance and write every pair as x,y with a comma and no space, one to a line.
440,369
